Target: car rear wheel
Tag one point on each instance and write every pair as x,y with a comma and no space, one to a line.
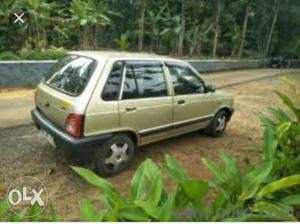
114,155
218,125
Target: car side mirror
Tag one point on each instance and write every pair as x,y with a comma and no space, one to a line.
210,88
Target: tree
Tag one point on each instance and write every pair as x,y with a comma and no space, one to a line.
245,28
38,15
182,28
217,28
142,25
177,27
88,15
274,20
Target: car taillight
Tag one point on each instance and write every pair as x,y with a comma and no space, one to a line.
74,125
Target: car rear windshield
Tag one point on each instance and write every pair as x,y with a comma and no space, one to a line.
71,74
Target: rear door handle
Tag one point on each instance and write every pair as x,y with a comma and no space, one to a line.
129,109
180,102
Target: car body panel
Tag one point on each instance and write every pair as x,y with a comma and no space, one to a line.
194,106
149,113
54,104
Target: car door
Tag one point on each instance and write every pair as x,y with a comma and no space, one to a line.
192,105
145,105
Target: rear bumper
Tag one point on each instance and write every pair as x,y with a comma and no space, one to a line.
85,144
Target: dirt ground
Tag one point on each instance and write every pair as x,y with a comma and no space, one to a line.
24,151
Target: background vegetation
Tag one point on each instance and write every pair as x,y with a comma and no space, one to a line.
202,28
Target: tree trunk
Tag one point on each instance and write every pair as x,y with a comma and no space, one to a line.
85,44
217,28
245,28
275,17
182,30
194,41
142,26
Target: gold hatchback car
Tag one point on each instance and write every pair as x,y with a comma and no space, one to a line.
106,104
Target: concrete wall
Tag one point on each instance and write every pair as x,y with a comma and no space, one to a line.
22,73
222,65
29,73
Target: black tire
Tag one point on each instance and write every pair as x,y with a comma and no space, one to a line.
114,155
215,128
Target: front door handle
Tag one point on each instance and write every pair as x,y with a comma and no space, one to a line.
130,109
180,102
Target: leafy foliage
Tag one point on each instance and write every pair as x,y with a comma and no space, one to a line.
148,197
123,42
240,198
166,24
6,215
285,128
33,55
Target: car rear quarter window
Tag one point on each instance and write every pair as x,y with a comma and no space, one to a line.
112,87
71,74
144,80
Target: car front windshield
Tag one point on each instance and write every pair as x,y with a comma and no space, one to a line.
71,74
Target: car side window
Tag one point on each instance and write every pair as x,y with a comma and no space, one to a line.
130,89
113,85
144,80
185,81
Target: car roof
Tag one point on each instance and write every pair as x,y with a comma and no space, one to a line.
100,55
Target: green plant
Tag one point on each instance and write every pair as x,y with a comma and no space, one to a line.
42,55
252,191
39,19
6,215
88,15
148,199
240,196
284,133
51,54
123,42
6,56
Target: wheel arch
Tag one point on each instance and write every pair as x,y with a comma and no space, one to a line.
131,133
228,110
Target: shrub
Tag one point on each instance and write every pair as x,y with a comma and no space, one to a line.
123,42
284,134
148,199
7,216
42,55
34,55
247,196
9,56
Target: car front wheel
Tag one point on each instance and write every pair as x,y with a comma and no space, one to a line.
114,155
218,125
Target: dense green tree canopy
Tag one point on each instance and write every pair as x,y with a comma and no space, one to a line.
202,28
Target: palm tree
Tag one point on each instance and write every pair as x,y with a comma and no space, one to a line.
38,14
88,16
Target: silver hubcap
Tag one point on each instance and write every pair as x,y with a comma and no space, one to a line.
118,155
221,122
